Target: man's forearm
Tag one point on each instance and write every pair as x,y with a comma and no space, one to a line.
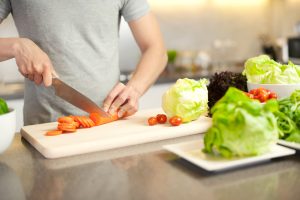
152,63
7,48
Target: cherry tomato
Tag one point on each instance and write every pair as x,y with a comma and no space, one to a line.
175,121
152,121
161,118
272,95
255,92
263,97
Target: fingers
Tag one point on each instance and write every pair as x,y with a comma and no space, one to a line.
47,75
122,99
128,109
112,96
34,63
119,100
38,79
39,74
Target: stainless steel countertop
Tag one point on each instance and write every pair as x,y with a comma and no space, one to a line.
139,172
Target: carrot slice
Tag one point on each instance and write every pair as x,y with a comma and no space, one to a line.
53,132
63,126
69,130
89,122
81,121
77,124
85,123
65,120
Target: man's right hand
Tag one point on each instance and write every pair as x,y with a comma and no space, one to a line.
33,63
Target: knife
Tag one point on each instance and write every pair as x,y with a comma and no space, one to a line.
75,98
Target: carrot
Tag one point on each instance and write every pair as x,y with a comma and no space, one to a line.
53,132
69,124
99,120
80,121
65,120
69,130
66,127
90,122
76,124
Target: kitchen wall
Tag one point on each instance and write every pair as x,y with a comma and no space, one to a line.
200,25
204,25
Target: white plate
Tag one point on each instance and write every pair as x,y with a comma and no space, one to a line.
293,145
192,151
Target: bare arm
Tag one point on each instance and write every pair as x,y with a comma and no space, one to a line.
153,60
32,62
7,48
149,39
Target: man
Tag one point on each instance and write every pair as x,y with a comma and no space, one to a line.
78,41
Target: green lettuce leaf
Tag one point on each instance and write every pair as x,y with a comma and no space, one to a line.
241,126
264,70
288,117
187,98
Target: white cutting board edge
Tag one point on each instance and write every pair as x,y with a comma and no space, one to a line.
72,144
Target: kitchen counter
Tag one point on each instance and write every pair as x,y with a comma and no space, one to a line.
139,172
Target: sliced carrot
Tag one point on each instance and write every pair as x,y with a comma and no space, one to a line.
79,119
53,132
65,120
84,121
89,122
96,118
77,124
69,130
99,120
63,126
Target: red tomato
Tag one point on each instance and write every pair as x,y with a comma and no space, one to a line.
254,92
152,121
263,97
175,121
272,95
161,118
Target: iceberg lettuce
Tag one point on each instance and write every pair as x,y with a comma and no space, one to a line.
264,70
241,126
187,98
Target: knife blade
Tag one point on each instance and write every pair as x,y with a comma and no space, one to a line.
75,98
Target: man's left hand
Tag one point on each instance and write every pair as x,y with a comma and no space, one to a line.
122,99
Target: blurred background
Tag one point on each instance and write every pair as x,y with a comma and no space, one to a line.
202,37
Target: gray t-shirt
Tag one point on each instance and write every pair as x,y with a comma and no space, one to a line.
81,39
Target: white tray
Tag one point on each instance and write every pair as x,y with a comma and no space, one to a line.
292,145
192,152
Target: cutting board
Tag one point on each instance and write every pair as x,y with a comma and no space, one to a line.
129,131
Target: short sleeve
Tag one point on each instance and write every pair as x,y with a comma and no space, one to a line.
5,8
134,9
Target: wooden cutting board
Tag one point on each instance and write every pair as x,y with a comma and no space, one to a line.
130,131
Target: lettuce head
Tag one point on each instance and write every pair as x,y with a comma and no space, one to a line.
264,70
187,98
241,126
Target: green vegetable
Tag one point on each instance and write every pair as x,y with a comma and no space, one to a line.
288,117
187,99
241,126
263,69
3,107
172,54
